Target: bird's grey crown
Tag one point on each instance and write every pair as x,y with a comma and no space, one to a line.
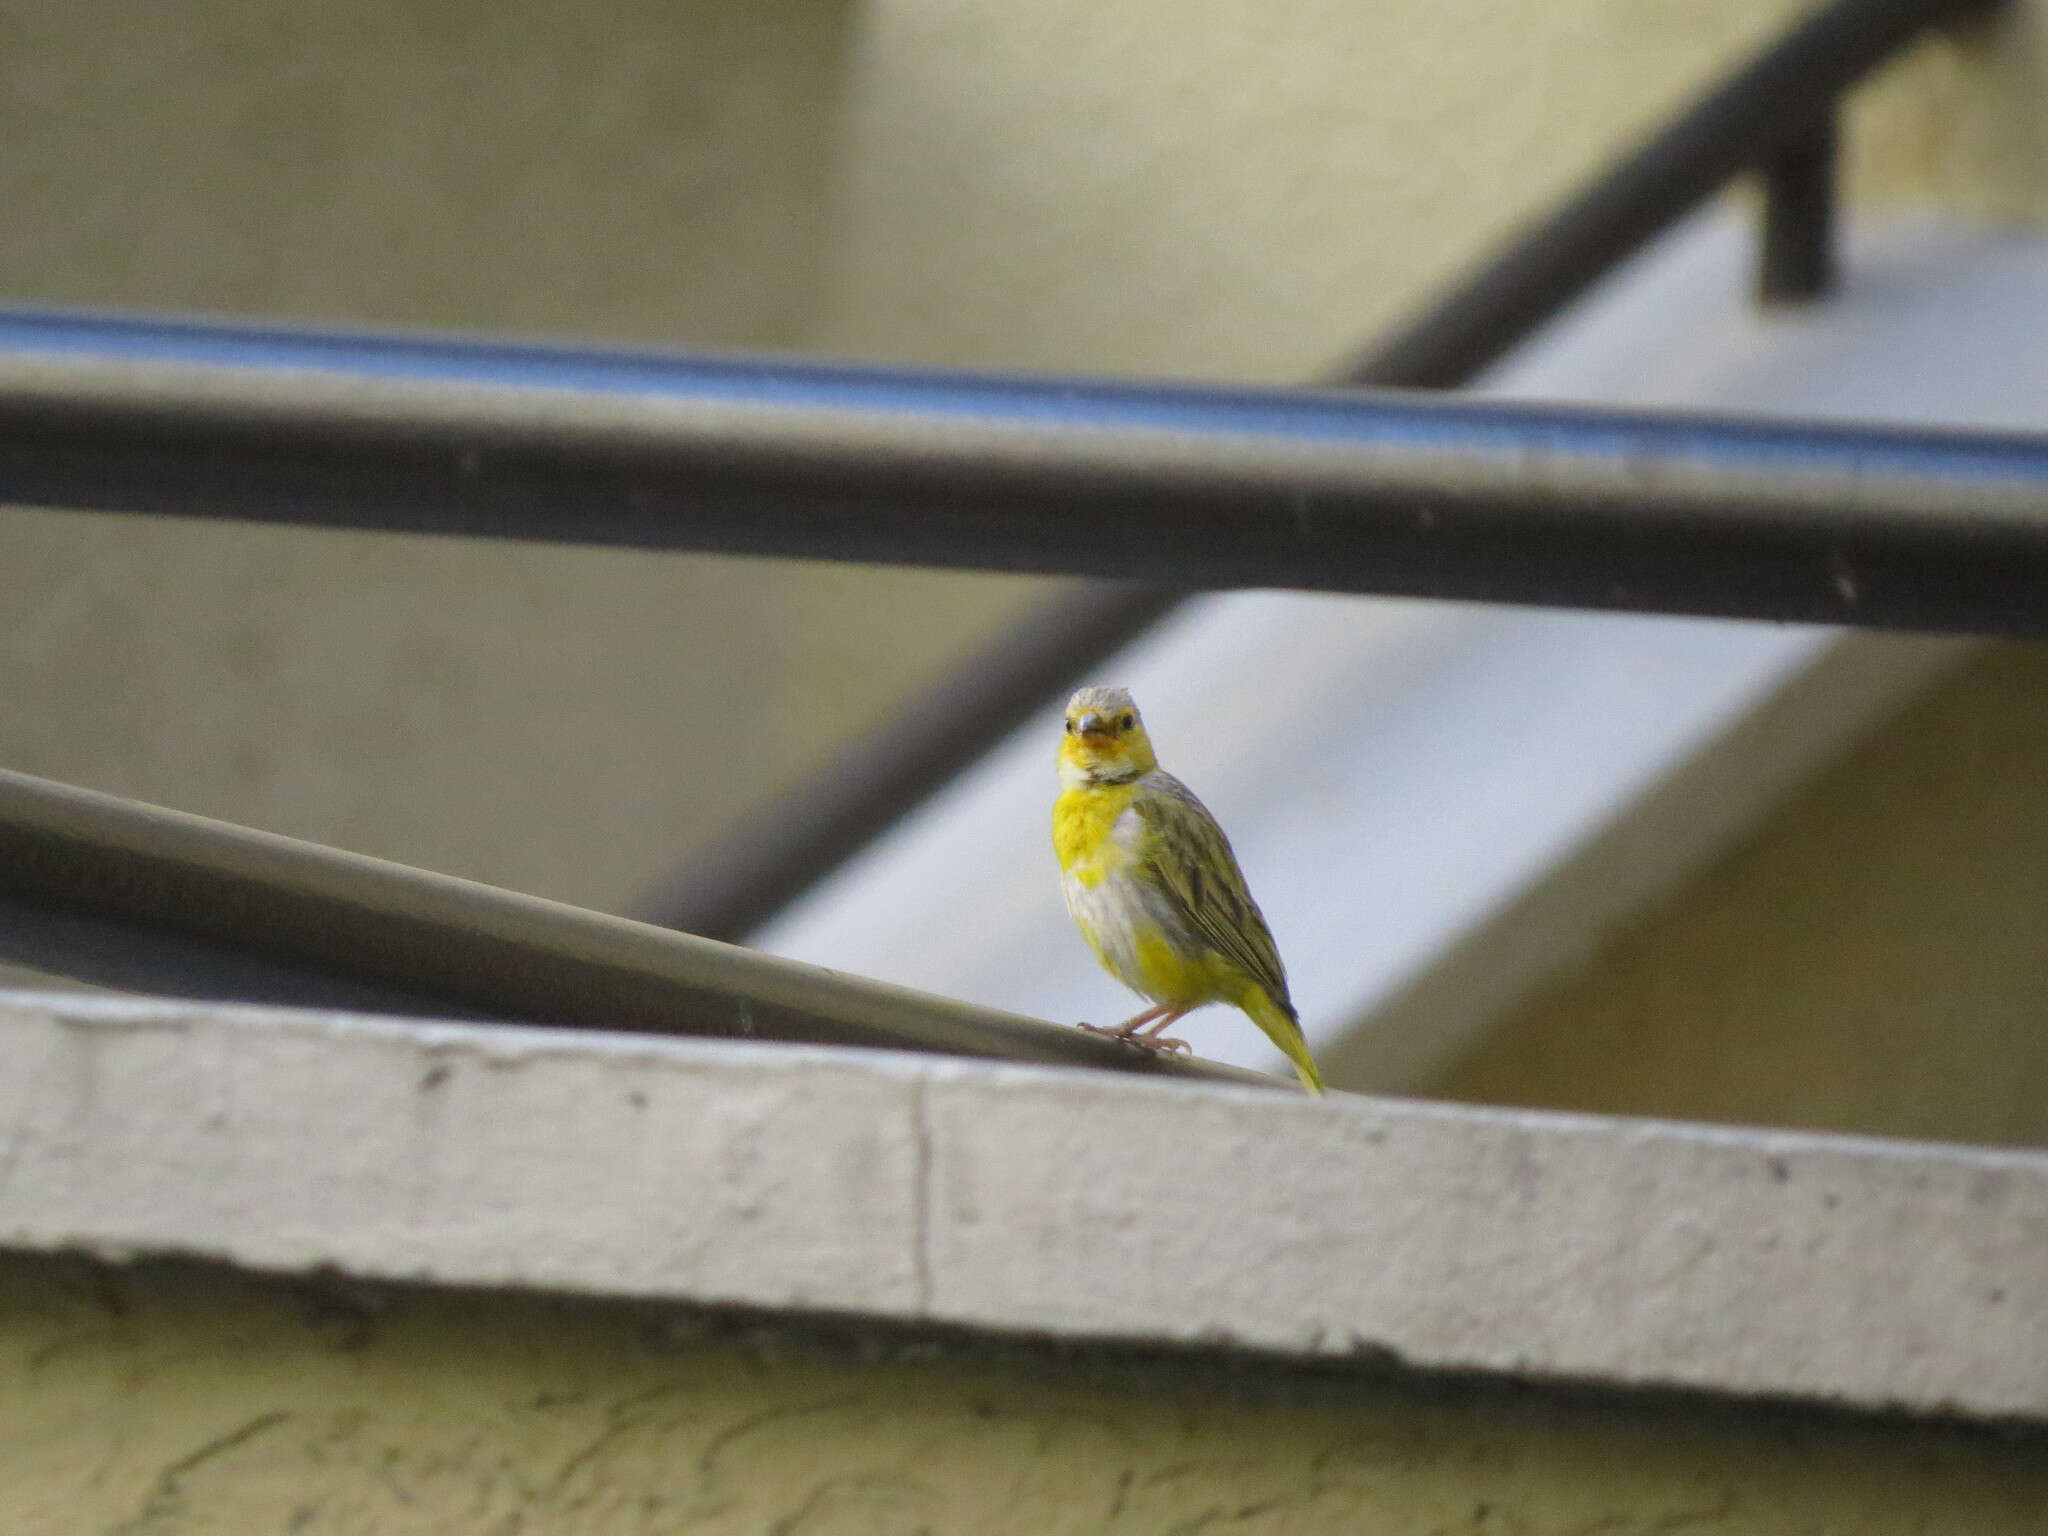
1103,701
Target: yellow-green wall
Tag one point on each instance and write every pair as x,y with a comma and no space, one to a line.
1247,190
1872,957
184,1401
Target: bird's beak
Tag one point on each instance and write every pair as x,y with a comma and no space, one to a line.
1091,724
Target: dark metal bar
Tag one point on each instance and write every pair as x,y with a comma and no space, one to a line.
1760,107
732,888
1796,244
248,915
752,874
1200,487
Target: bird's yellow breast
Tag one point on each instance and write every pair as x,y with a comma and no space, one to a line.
1084,832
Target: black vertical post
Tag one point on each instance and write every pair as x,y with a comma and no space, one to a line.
1796,248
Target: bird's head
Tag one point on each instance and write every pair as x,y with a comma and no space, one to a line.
1105,741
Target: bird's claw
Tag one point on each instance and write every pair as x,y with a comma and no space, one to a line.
1142,1042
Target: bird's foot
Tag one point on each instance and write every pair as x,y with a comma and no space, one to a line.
1142,1042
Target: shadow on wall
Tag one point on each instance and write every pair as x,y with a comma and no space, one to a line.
1869,959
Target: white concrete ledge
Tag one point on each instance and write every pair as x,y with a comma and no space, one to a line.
1031,1199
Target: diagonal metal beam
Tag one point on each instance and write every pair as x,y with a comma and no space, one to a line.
228,911
754,871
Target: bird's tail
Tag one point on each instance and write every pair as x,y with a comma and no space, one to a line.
1284,1030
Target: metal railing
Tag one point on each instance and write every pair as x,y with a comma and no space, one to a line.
102,889
1168,487
1430,495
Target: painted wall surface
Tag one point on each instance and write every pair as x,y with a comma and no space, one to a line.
566,722
1224,190
1868,959
652,170
180,1401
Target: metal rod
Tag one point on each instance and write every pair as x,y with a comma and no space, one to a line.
1796,245
231,906
751,874
1756,109
1198,487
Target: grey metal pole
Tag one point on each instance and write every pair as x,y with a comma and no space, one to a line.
1197,487
226,910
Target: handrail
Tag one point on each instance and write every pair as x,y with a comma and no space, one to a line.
253,915
1428,495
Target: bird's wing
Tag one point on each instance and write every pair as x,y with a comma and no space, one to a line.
1189,859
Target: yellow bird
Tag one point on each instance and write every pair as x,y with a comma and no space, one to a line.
1154,888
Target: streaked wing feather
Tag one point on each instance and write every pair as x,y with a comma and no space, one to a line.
1190,860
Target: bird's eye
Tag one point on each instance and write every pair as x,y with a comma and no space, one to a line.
1070,727
1127,722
